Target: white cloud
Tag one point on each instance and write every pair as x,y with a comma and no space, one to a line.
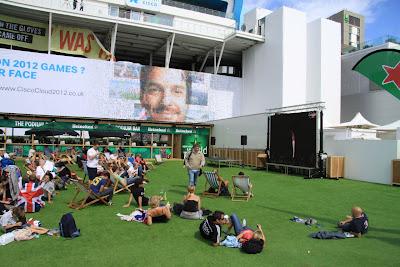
250,4
325,8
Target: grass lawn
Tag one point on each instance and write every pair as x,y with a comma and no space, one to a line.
107,241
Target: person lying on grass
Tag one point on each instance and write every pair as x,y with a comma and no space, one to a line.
157,213
252,241
356,224
99,186
210,228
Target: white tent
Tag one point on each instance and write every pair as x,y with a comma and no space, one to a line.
389,127
357,122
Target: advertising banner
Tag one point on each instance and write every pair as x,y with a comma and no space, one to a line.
23,33
103,127
154,5
189,140
64,39
42,84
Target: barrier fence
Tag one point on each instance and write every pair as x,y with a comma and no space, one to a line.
248,157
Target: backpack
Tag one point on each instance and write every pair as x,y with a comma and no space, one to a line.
68,226
187,158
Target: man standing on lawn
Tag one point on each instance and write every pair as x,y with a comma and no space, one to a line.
92,161
194,161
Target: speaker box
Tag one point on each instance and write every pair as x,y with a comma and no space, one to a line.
213,140
243,140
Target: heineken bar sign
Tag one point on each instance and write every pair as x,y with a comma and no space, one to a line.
93,127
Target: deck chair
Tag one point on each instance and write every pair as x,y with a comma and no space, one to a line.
158,159
212,181
85,171
88,199
241,183
118,186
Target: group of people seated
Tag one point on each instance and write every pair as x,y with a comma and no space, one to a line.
121,171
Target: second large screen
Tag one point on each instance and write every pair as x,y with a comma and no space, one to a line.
293,139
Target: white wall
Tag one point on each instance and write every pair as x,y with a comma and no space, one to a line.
366,160
323,67
227,132
379,107
274,73
252,17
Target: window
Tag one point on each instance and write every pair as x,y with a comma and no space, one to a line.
354,21
113,10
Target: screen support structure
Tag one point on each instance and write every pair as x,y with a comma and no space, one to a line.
317,106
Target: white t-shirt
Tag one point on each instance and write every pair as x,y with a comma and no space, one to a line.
92,163
7,218
48,166
5,156
31,152
133,172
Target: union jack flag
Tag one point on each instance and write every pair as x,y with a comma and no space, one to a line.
30,196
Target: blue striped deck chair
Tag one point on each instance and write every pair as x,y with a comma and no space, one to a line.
243,185
212,181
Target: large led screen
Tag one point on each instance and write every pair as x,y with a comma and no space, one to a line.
42,84
293,139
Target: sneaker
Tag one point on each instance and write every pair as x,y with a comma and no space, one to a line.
244,222
109,203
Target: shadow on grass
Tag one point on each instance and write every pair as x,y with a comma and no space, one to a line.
390,240
384,230
298,214
198,236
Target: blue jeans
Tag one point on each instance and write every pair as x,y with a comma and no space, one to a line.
237,225
193,174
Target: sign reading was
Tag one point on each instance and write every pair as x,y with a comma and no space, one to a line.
145,4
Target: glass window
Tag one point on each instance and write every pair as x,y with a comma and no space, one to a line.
113,10
354,21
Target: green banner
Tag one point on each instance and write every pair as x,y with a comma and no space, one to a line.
93,127
383,68
189,140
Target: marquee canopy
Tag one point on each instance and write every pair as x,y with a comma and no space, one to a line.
357,122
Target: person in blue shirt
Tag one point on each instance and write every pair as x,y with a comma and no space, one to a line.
99,186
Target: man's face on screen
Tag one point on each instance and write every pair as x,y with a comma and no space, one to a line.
165,95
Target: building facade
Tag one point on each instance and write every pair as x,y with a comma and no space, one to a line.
352,29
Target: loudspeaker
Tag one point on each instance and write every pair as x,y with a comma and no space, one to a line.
212,140
243,140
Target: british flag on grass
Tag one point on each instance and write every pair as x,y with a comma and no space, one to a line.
30,196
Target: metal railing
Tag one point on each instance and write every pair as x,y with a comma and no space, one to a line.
374,42
104,10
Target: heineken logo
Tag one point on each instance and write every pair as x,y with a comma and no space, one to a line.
383,68
393,75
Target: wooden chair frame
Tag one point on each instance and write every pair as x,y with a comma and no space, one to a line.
240,197
206,193
88,194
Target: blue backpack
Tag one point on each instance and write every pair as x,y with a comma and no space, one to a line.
68,226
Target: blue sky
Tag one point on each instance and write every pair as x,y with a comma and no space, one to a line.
382,16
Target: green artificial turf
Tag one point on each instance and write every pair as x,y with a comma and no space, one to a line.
108,241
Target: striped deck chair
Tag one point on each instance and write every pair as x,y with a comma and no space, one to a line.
89,197
212,181
118,186
85,171
241,183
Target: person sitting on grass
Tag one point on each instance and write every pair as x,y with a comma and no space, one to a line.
252,241
210,228
48,187
157,213
13,219
191,208
99,186
356,224
137,192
